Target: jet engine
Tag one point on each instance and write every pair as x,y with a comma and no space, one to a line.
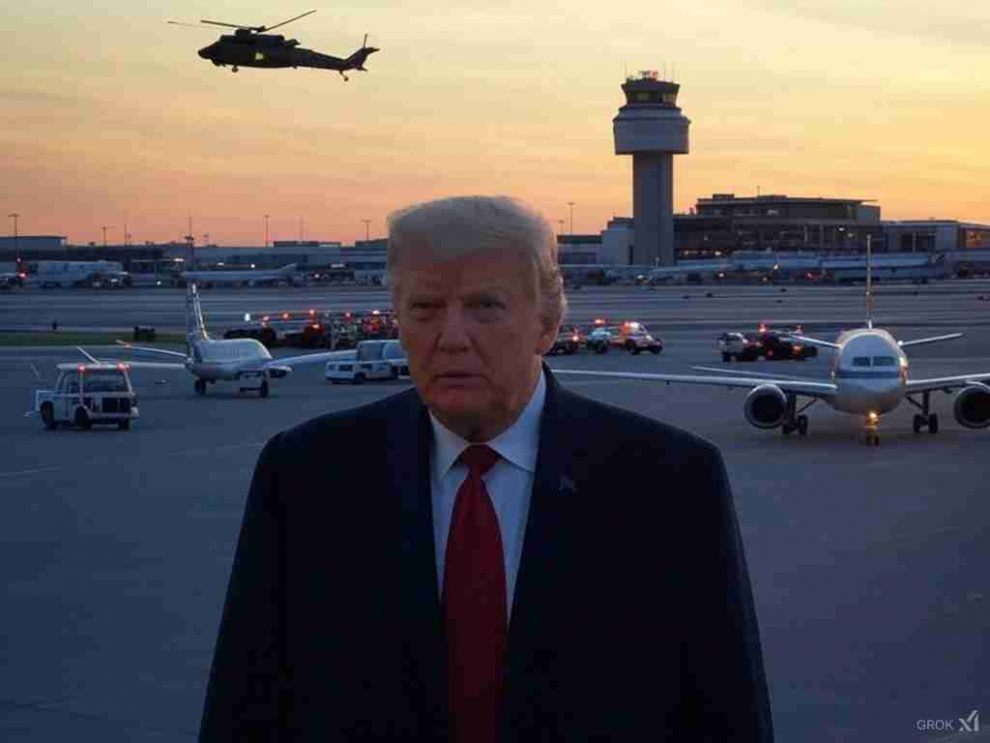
766,406
972,406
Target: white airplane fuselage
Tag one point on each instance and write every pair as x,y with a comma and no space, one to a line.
870,372
227,359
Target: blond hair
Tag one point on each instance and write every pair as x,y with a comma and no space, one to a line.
450,228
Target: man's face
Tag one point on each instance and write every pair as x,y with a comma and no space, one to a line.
474,337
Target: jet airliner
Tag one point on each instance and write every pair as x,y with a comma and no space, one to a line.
868,377
233,359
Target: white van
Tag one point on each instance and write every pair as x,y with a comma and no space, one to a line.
364,363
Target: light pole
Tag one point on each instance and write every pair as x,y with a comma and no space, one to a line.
266,230
105,228
560,227
367,229
300,230
17,254
190,242
571,205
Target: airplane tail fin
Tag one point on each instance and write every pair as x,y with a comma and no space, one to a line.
195,326
869,282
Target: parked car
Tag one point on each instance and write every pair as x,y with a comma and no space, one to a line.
569,340
777,346
738,346
600,339
85,394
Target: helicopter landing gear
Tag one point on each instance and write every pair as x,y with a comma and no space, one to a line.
234,68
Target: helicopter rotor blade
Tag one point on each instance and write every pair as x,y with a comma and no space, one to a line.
234,25
303,15
187,25
364,45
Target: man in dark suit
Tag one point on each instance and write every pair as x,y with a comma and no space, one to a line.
487,556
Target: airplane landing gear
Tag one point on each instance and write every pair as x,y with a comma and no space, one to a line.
234,68
344,76
925,419
200,386
794,420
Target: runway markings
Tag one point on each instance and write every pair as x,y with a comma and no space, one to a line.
18,473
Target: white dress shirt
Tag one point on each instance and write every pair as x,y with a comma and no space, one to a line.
509,483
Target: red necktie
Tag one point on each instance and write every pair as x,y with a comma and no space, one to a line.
474,606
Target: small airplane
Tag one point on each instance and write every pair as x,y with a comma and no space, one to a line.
210,360
250,46
248,277
868,377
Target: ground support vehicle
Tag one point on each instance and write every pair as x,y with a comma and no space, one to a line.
88,394
395,354
363,364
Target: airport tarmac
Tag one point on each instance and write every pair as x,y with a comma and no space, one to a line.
869,565
939,304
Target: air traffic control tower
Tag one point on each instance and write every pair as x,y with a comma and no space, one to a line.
652,129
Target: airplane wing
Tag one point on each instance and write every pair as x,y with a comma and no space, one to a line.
932,339
309,358
945,383
133,364
810,341
150,364
807,388
162,351
755,374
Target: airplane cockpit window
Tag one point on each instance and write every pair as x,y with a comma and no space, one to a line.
861,360
884,361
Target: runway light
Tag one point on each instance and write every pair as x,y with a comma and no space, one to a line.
285,315
247,317
873,416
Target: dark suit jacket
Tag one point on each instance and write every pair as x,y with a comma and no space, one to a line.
633,618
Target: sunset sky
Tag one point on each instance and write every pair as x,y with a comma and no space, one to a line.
107,110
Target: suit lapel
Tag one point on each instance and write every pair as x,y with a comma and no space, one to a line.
408,465
544,572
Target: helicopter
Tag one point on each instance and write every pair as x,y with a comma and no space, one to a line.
250,46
